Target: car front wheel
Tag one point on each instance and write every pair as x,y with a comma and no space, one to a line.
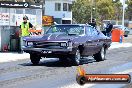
76,58
100,56
35,59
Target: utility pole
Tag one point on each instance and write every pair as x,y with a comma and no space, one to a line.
91,10
123,15
95,4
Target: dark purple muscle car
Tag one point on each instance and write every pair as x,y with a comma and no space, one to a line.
71,41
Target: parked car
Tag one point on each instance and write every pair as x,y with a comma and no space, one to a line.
126,29
71,41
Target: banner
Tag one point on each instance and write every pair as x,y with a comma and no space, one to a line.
9,4
47,20
4,18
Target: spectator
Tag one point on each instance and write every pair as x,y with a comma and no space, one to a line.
93,23
24,30
108,29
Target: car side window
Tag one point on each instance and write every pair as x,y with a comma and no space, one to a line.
94,31
88,31
91,31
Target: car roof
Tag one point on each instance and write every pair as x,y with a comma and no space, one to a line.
71,25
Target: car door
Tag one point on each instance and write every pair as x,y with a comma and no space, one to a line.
91,41
97,42
100,40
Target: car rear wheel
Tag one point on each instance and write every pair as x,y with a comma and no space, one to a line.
100,56
76,58
35,59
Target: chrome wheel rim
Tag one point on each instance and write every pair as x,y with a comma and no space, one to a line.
77,58
103,53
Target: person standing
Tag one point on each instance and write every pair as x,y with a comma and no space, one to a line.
109,28
93,23
24,30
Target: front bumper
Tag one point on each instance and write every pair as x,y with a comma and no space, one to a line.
45,50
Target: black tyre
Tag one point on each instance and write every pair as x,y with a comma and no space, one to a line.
125,35
76,58
35,59
100,56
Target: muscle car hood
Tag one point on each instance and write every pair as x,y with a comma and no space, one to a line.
51,37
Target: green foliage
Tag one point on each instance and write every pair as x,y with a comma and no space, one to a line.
104,10
129,10
81,11
118,10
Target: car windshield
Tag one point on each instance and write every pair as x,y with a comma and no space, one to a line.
66,29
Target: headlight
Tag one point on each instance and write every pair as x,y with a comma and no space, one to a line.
30,43
63,44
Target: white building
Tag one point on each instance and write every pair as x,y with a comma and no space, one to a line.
60,10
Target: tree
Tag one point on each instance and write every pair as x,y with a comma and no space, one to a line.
118,10
81,11
129,10
105,9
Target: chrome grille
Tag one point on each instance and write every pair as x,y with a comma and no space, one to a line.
49,45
